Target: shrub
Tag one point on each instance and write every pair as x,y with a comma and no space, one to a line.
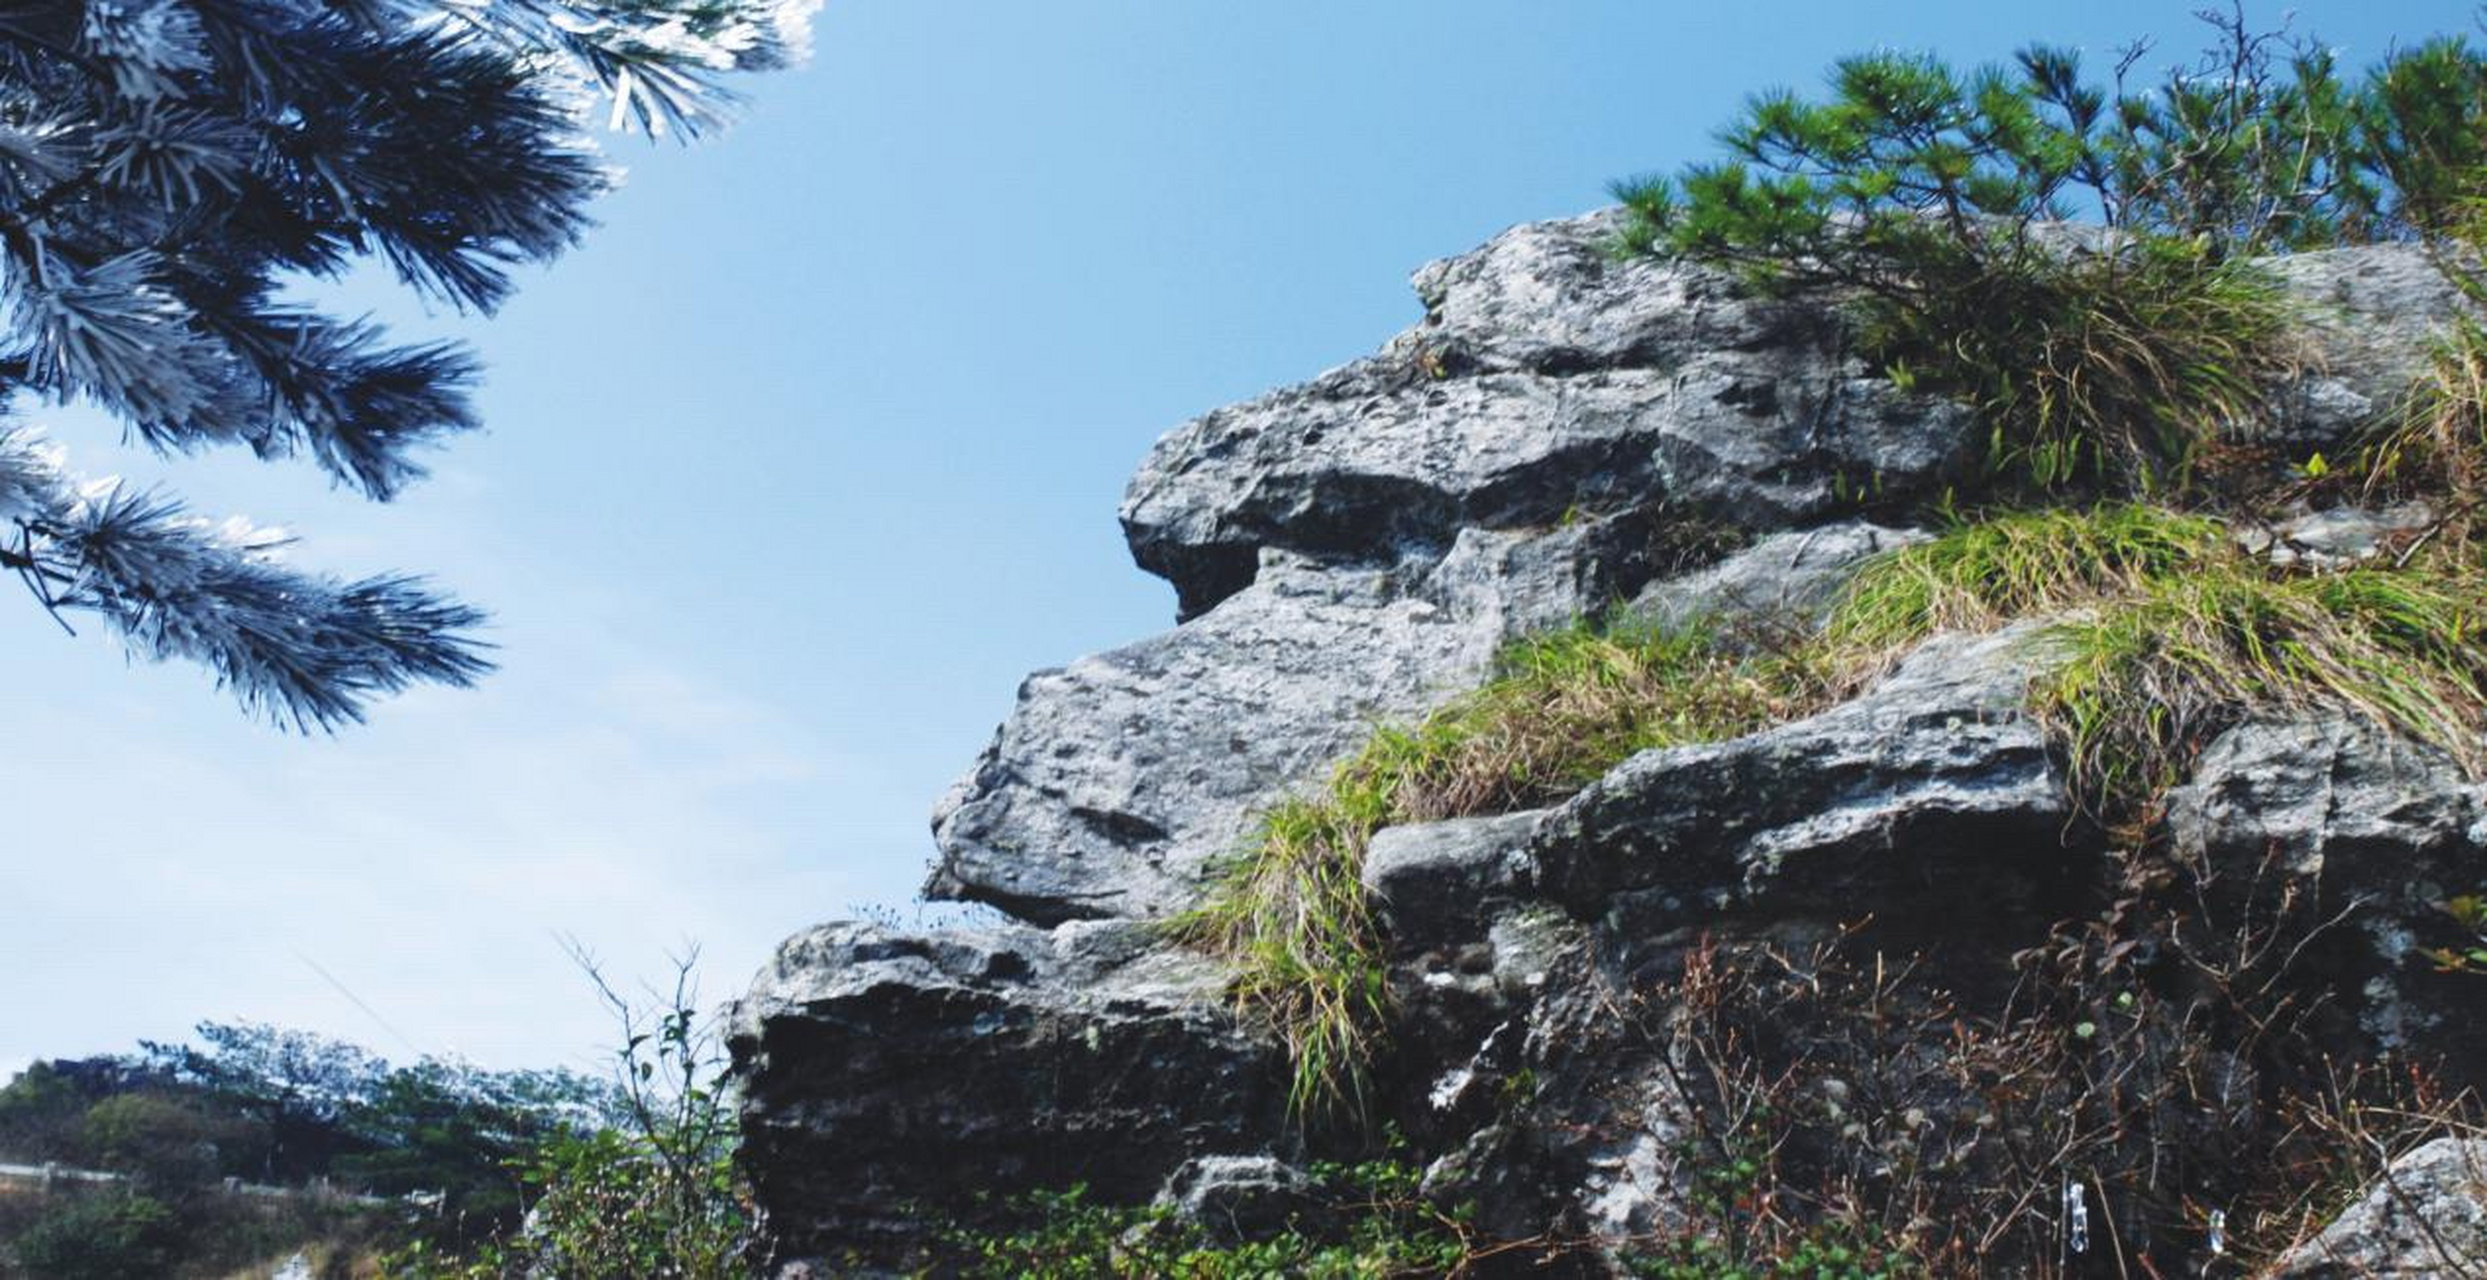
652,1194
1850,1110
2101,358
106,1236
169,1144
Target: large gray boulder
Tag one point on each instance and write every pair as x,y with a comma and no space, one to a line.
1562,431
885,1070
2369,312
1122,779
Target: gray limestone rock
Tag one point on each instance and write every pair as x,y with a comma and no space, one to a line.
2370,311
1786,577
1120,778
1550,297
883,1070
1935,782
2315,793
1437,882
2353,827
1563,432
1238,1197
2337,537
1547,380
2426,1217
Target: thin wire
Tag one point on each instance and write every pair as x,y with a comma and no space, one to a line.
373,1014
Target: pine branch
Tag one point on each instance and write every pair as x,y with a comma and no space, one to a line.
164,163
302,650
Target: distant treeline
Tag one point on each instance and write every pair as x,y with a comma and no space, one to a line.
443,1141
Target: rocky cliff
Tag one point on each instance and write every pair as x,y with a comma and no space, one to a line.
1887,922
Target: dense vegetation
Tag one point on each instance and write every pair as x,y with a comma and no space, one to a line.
342,1148
256,1144
1351,1222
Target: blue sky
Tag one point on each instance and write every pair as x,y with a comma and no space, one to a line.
803,460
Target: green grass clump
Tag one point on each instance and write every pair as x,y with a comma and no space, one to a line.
1561,709
2087,369
2149,674
1566,706
1984,574
2436,447
2173,631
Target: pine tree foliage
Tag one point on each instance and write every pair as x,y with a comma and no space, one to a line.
2263,143
165,165
1937,201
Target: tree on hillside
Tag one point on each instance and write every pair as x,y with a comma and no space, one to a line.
165,165
297,1085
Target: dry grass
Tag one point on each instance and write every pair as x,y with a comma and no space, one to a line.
2153,672
1562,708
2436,447
2170,634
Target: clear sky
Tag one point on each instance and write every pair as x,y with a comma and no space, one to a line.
804,459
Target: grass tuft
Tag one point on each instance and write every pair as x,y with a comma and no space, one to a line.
2437,445
2088,368
2151,674
1985,574
2172,632
1561,709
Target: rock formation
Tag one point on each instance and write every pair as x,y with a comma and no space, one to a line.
1561,433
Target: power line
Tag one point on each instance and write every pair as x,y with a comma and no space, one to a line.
368,1011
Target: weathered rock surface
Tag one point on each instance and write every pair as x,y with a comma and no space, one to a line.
1547,378
2344,822
2334,801
884,1071
1440,882
2370,310
2426,1217
1238,1197
1783,579
1357,547
1935,781
1121,776
1561,432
